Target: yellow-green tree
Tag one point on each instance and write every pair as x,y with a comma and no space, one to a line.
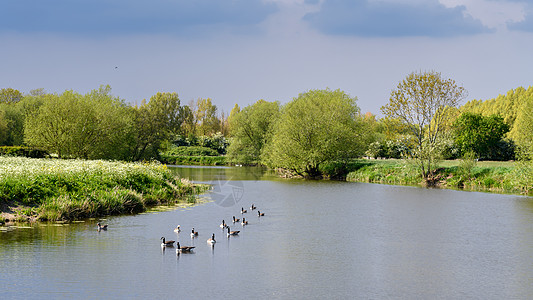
316,127
206,119
424,102
10,96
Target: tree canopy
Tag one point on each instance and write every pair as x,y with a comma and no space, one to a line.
251,129
479,134
424,102
316,127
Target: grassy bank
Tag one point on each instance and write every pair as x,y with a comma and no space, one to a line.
501,177
193,160
52,189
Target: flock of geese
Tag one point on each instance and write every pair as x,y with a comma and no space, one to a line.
211,240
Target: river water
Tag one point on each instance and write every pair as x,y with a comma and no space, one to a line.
317,240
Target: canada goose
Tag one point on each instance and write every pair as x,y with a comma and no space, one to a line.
244,222
243,211
211,240
235,220
100,227
223,225
230,233
253,207
166,243
260,214
183,248
178,229
194,233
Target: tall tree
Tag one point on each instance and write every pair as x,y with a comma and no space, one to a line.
251,130
155,121
316,127
207,122
479,135
424,101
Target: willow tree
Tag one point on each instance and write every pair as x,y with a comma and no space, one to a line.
317,127
424,102
251,129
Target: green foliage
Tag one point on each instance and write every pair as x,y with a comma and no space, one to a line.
193,160
205,121
22,151
217,142
154,122
11,124
424,102
251,129
468,175
94,125
316,127
192,151
525,130
72,189
10,96
510,106
480,135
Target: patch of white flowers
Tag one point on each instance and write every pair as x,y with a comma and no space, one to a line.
29,168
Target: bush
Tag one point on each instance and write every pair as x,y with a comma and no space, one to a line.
191,151
23,151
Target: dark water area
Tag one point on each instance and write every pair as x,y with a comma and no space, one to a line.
318,239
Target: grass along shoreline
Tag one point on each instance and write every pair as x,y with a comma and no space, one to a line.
497,177
66,190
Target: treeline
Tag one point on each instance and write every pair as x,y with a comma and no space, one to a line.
98,125
315,132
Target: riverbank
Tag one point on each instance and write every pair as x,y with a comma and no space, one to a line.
53,189
497,177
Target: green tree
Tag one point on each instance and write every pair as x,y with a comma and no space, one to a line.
80,126
525,130
12,128
10,96
424,102
50,128
206,119
154,122
479,135
3,128
251,130
316,127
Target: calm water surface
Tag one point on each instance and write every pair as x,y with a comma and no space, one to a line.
317,240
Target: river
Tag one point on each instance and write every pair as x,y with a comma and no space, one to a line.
317,240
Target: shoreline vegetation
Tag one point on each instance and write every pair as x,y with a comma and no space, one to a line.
67,190
484,176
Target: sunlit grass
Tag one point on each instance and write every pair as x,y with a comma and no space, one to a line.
56,189
491,176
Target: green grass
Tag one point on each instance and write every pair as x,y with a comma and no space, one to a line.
52,189
489,176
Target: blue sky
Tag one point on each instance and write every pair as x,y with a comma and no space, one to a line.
240,51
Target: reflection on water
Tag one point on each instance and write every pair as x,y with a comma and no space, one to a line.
317,240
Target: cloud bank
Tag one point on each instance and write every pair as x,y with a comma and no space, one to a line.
392,19
106,17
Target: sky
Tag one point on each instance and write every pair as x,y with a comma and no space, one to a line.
240,51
